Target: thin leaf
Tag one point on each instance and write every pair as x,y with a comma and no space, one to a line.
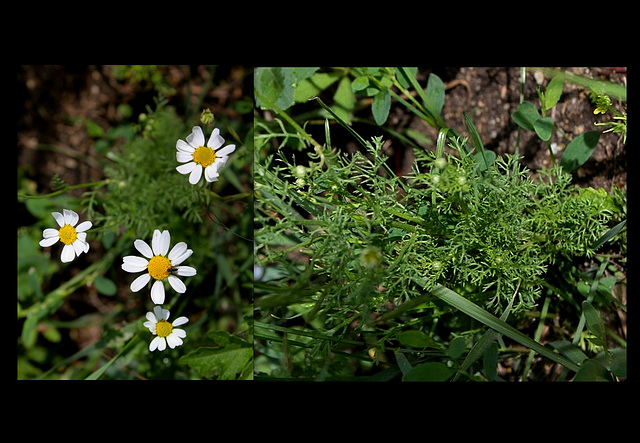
610,234
484,317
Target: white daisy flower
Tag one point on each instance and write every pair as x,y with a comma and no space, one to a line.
160,266
165,332
201,157
74,239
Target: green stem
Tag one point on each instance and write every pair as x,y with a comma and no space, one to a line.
67,188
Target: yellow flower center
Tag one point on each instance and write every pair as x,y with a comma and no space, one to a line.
204,156
163,328
158,267
67,234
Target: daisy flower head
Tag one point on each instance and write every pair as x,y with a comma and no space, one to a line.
159,265
73,237
166,333
197,156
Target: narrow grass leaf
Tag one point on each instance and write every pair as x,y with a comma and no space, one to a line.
484,317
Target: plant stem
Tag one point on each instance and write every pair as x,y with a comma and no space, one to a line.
67,188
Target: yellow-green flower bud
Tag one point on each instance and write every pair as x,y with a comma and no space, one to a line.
206,117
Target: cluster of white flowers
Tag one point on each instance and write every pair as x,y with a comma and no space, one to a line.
157,262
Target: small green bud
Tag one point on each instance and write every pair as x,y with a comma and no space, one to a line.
440,162
206,117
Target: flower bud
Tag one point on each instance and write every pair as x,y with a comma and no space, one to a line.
206,117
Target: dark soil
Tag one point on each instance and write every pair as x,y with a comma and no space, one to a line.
491,95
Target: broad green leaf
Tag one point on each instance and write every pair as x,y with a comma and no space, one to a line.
592,370
432,371
457,347
276,85
526,115
484,159
543,128
359,83
594,323
226,362
312,86
403,363
619,362
579,150
435,92
380,107
105,286
416,339
344,100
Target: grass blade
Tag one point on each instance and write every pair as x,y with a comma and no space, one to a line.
476,312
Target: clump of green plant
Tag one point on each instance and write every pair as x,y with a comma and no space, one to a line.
355,260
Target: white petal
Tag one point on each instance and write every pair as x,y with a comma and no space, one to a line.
184,157
59,218
68,254
186,168
186,271
131,263
196,138
173,340
195,175
177,284
49,232
160,242
78,247
151,326
161,314
182,146
162,343
177,250
177,260
154,343
157,292
70,217
215,141
140,282
179,332
86,247
211,173
49,241
84,226
82,236
165,242
151,317
179,321
143,247
226,150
